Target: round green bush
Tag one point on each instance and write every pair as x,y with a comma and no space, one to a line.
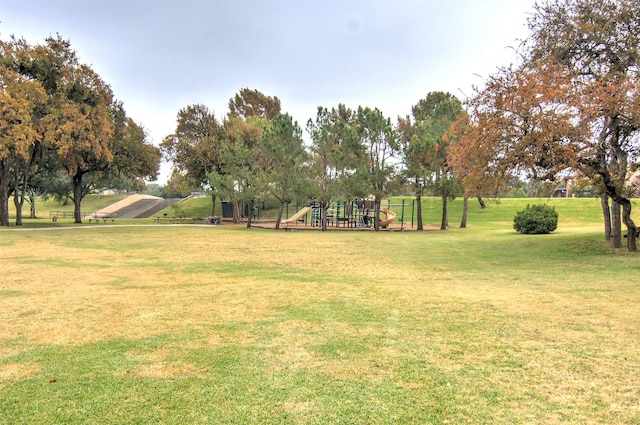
536,220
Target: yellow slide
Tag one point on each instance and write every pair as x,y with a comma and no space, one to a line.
297,216
390,217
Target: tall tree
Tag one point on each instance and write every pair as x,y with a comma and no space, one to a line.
75,123
133,160
284,157
598,48
425,142
336,153
438,128
473,161
380,142
22,100
252,103
74,126
240,173
574,102
416,161
514,127
85,129
194,148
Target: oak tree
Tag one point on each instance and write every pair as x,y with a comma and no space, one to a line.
597,46
69,123
22,100
194,148
573,104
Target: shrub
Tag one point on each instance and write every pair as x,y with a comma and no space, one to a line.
536,219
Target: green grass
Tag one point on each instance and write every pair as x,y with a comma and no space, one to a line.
183,325
90,204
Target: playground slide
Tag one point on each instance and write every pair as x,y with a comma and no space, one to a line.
391,216
294,218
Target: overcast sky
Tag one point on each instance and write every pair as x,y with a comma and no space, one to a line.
161,55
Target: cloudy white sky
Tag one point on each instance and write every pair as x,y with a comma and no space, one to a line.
162,55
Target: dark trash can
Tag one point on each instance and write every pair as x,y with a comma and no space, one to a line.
227,209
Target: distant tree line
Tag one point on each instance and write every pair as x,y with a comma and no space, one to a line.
568,110
256,151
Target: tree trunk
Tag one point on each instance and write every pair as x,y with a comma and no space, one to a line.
419,212
632,230
250,214
77,198
18,202
376,214
279,218
4,192
444,225
236,212
465,212
620,200
606,213
483,205
616,226
33,213
20,193
323,215
213,205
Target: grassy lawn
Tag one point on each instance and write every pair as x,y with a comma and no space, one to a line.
192,325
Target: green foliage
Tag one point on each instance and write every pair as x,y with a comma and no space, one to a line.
155,189
379,140
336,154
177,210
536,219
283,155
194,147
252,103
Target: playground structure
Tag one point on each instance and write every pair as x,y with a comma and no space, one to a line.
391,216
297,216
351,214
355,214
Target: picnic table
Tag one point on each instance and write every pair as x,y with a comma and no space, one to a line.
96,217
